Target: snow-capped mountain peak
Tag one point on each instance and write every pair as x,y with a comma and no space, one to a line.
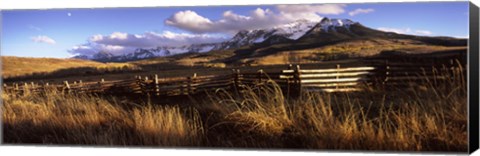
327,24
142,53
282,33
289,31
295,29
336,22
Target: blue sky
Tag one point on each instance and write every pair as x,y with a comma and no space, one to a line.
63,33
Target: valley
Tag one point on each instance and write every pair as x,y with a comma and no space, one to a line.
409,92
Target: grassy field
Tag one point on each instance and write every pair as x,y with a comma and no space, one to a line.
26,67
429,117
347,50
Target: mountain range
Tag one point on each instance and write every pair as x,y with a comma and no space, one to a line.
298,35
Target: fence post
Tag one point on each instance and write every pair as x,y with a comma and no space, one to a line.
287,79
138,79
45,86
191,84
31,87
260,73
16,87
236,78
452,69
5,87
298,82
387,72
157,88
26,89
67,86
188,89
140,84
338,76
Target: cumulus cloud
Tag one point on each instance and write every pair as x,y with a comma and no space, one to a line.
119,43
406,31
360,11
43,39
152,39
257,19
310,12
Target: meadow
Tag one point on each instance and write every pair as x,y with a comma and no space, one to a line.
427,117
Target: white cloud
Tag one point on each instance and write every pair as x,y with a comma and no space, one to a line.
406,31
189,20
257,19
90,49
423,32
119,43
360,11
152,39
333,9
310,12
43,39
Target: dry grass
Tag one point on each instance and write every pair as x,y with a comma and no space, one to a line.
22,66
55,118
431,117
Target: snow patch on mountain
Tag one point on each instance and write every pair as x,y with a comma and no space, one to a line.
327,24
295,30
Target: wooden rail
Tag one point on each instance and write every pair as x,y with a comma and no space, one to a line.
292,80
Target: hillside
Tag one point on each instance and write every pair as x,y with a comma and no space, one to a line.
18,66
287,53
304,41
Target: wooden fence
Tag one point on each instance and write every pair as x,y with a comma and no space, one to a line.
293,80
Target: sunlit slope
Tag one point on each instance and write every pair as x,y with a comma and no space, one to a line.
19,66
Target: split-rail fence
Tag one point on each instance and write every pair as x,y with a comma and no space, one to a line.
354,76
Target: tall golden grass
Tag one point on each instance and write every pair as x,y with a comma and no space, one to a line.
428,117
55,118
